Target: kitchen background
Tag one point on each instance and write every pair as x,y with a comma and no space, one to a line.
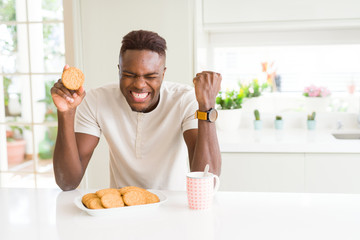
270,54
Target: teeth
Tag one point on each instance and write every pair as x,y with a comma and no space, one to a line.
139,95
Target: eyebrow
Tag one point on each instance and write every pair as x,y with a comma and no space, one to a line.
147,74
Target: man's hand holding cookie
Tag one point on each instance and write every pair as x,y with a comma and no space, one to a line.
207,85
67,92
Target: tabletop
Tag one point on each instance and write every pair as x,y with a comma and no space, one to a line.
51,214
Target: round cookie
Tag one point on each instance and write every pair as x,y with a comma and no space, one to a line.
151,198
87,197
112,200
130,188
135,197
102,192
72,78
95,203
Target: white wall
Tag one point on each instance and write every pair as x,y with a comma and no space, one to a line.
102,24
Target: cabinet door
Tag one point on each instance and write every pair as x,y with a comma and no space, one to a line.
262,172
255,11
332,173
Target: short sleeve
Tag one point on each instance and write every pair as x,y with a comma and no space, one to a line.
86,120
189,106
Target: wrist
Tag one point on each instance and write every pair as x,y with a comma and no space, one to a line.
206,107
67,113
209,115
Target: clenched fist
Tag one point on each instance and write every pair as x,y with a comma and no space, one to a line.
207,86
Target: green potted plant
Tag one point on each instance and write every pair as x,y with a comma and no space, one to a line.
253,89
229,104
279,123
257,121
252,92
311,123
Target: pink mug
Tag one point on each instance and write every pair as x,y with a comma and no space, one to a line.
201,189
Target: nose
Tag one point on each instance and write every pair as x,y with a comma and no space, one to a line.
139,82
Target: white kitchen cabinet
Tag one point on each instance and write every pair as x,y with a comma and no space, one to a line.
262,172
245,11
332,173
291,172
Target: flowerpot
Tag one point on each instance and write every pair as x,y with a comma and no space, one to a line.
311,124
228,119
257,124
16,151
279,124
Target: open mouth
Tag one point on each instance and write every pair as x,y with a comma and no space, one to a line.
140,97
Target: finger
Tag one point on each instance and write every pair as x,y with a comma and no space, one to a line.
210,72
66,93
80,92
66,67
63,94
58,84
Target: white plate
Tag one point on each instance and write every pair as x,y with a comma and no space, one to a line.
121,210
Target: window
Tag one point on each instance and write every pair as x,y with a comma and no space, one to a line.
32,57
333,66
325,57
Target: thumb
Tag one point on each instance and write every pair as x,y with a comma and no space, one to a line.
66,66
80,91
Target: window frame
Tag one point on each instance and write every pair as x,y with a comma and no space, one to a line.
67,22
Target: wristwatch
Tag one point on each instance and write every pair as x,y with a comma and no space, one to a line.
210,115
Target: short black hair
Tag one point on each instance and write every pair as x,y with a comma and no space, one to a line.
143,40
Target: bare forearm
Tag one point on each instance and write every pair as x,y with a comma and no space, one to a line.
207,149
67,164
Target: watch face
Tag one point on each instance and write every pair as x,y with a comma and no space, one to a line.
213,114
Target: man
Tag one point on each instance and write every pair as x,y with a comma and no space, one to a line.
145,123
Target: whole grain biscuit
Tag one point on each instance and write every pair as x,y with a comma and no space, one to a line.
151,198
85,199
102,192
112,200
95,203
130,188
72,78
134,197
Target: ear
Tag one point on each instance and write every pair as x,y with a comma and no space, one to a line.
164,72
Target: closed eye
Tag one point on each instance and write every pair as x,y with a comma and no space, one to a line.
129,76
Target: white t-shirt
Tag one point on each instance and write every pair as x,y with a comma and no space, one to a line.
146,149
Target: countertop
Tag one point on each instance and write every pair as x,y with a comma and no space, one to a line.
286,141
51,214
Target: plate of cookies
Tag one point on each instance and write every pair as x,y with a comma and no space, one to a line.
110,201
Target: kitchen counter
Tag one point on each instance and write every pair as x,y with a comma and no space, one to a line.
286,141
51,214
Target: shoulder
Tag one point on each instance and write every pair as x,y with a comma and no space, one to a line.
178,93
107,90
176,88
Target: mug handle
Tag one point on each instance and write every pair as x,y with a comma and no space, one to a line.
217,184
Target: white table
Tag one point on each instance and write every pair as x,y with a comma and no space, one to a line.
51,214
